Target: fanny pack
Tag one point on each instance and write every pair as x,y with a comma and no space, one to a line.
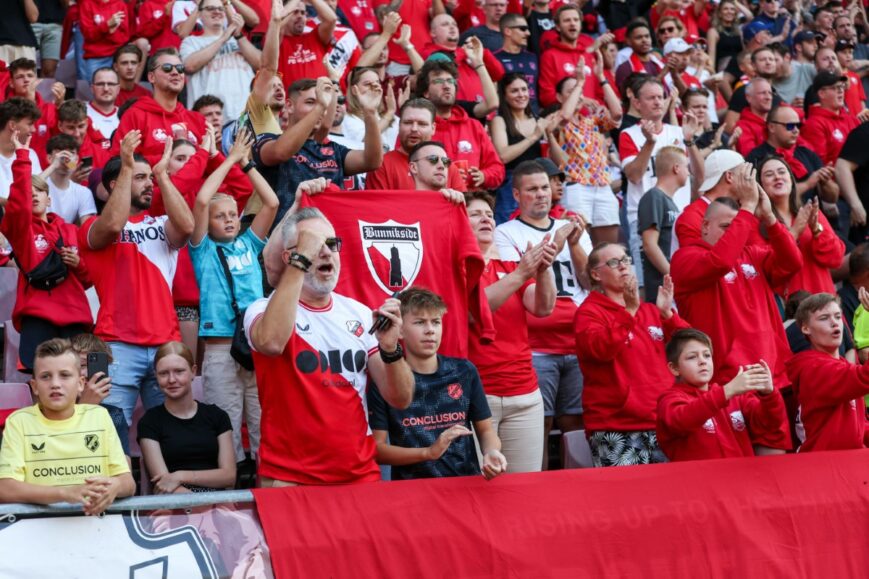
50,272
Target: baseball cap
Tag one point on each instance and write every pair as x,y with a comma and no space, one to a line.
826,78
551,168
718,163
677,45
752,29
843,45
804,36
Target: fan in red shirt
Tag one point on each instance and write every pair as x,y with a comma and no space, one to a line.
821,248
360,16
699,419
154,23
417,15
830,389
508,377
416,125
301,53
126,63
752,119
72,120
620,346
4,80
829,122
23,84
561,58
724,284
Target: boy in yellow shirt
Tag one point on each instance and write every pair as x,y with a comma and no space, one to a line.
60,451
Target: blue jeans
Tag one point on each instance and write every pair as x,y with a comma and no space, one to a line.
132,375
92,65
78,45
505,203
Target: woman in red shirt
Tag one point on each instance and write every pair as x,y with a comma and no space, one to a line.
620,345
822,250
504,364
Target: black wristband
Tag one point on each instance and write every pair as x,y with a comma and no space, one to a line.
299,261
250,165
391,357
238,37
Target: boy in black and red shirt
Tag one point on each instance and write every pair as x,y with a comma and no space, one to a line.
431,437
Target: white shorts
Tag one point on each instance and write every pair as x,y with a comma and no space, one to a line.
597,205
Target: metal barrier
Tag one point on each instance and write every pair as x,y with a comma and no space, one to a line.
143,503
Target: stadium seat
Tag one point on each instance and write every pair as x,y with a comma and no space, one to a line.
577,452
8,289
11,341
15,395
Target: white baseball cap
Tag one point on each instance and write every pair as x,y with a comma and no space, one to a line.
676,45
718,163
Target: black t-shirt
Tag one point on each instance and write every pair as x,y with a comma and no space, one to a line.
452,395
51,11
313,160
526,63
538,23
15,29
491,39
739,102
856,150
658,210
186,444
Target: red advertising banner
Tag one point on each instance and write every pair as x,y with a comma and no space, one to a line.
780,516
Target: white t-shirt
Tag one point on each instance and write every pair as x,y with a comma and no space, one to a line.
180,11
6,171
73,204
104,123
630,143
353,128
227,75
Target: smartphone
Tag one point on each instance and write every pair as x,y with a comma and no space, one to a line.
87,162
97,362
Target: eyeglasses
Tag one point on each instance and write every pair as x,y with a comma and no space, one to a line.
213,9
788,126
615,263
523,28
167,68
105,84
439,81
835,87
333,243
667,30
433,159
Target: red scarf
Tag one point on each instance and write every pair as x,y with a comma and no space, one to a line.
638,65
796,166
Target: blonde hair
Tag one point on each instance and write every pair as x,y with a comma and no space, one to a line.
177,348
218,197
667,158
39,183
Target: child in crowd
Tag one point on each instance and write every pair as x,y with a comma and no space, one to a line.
829,388
73,202
60,451
656,216
700,420
431,437
218,247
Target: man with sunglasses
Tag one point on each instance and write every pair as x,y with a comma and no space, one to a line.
301,324
429,166
783,130
514,55
829,122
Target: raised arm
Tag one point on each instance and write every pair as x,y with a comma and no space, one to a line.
179,226
328,20
390,25
291,140
371,157
116,212
249,16
196,61
270,53
475,54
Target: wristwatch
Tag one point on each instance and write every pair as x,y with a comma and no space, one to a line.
391,357
818,230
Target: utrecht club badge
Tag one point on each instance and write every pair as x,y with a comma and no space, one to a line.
393,252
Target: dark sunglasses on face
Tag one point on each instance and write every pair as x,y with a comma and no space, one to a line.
342,100
522,28
433,159
667,30
167,68
334,244
789,126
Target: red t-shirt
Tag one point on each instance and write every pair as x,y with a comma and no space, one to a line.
416,14
394,173
302,57
314,419
360,16
133,277
125,95
505,363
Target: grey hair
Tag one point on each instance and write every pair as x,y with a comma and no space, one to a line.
291,222
749,91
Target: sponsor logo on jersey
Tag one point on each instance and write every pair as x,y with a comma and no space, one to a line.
37,448
837,134
656,333
393,252
355,327
465,147
730,276
709,426
737,420
304,328
91,442
455,391
446,418
137,236
40,243
335,361
748,271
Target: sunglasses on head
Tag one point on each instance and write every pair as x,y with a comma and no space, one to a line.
433,159
167,68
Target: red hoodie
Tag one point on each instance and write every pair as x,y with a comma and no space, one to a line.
466,140
94,16
31,239
698,425
154,22
560,61
4,80
820,255
825,132
725,291
753,131
157,124
690,222
830,392
469,88
623,364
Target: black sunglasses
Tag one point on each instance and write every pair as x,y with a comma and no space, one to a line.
333,243
167,68
433,159
522,28
342,100
789,126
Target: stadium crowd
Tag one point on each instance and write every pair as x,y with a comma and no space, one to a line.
667,199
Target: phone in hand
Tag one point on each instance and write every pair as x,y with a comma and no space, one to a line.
87,162
98,362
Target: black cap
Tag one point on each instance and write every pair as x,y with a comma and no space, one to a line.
551,168
825,78
844,45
